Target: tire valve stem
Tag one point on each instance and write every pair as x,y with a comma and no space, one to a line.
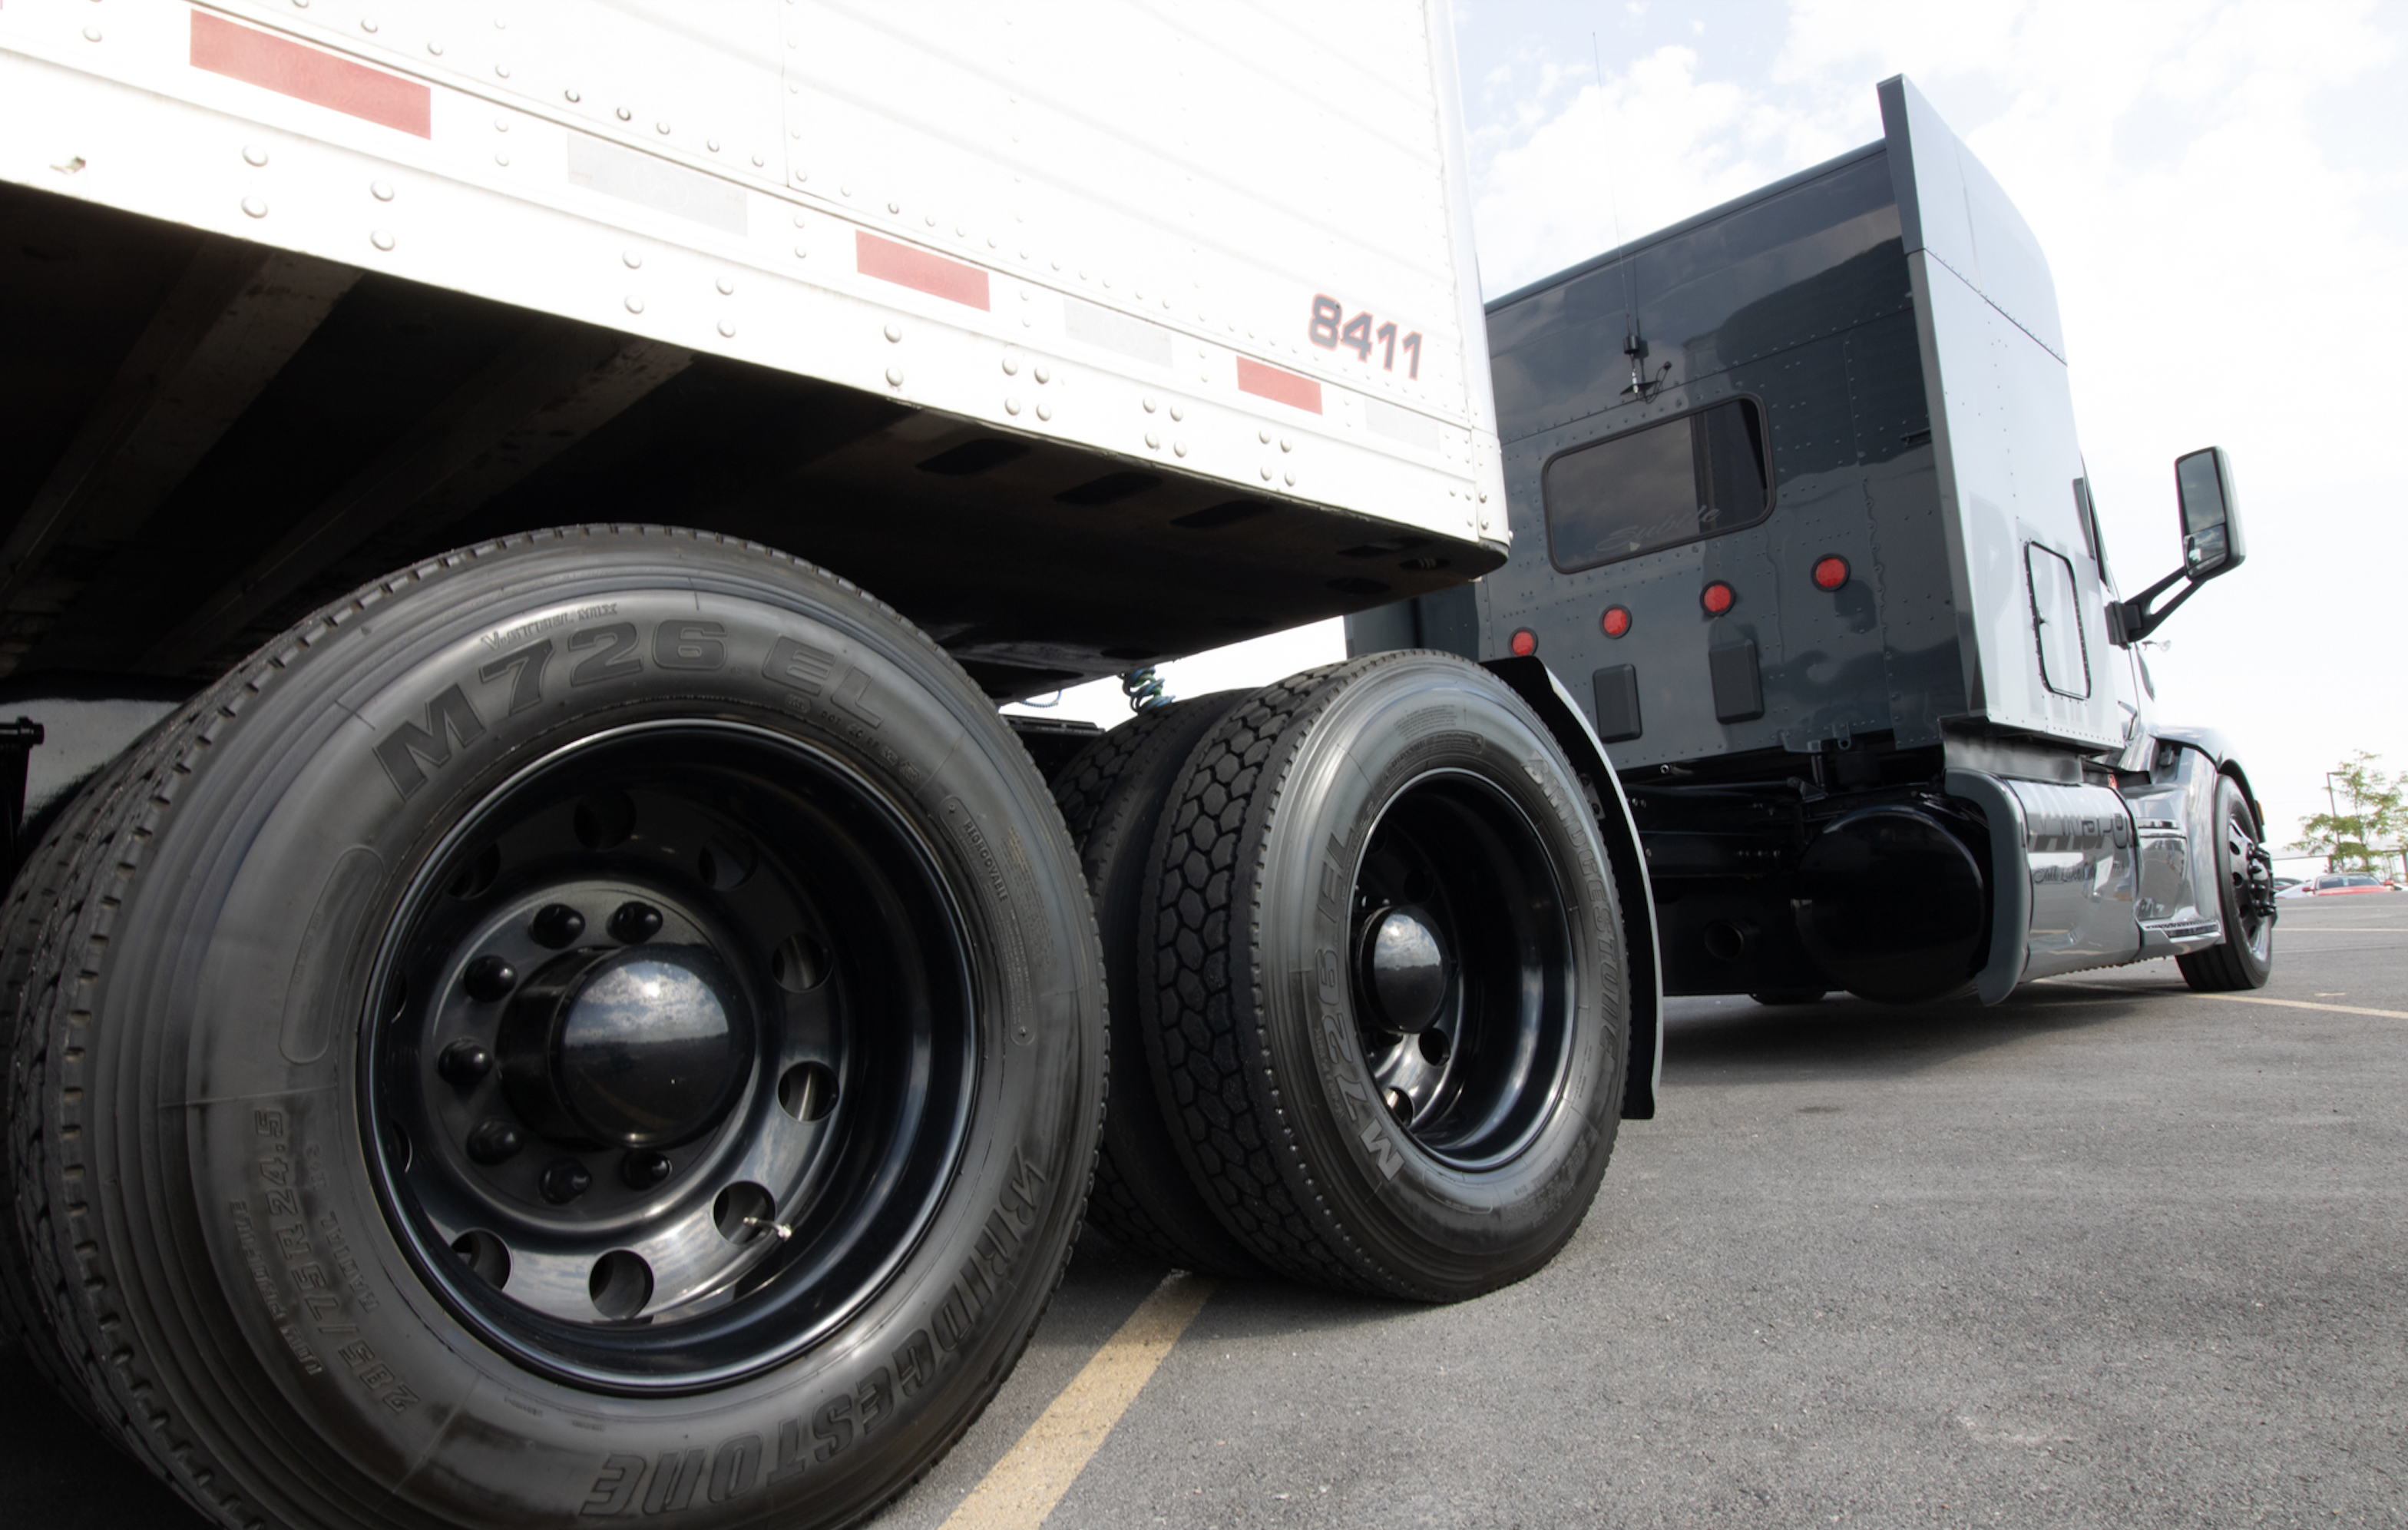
779,1228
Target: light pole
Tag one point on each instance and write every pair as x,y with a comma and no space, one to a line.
2332,811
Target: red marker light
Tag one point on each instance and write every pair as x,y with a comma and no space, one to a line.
1831,572
1526,642
1616,621
1718,598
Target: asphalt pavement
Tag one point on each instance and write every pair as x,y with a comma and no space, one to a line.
2110,1253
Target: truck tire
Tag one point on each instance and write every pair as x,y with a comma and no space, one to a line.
607,1022
66,846
1390,1010
1112,796
2244,887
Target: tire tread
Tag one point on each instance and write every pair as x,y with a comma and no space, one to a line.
1139,1210
1236,1147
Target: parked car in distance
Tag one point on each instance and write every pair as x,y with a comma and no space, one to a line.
2337,882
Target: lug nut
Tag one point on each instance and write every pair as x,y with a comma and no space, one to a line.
489,977
644,1168
494,1140
464,1061
564,1181
557,925
632,924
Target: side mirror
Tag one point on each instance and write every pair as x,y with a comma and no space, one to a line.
2211,538
2211,525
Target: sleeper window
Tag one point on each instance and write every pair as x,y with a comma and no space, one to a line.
1674,482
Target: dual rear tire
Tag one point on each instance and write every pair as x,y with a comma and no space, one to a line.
1378,983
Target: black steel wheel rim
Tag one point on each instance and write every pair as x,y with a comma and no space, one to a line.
670,1057
1462,974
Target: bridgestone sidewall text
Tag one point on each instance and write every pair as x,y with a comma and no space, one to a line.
219,1113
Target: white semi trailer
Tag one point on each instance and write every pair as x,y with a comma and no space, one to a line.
540,984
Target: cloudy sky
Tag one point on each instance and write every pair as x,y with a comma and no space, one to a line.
2219,190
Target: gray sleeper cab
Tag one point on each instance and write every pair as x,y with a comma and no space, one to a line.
1801,524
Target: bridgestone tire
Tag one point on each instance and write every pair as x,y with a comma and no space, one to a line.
226,1258
2245,959
1112,796
1322,808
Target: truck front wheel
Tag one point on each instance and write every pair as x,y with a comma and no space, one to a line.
2245,886
1385,987
603,1023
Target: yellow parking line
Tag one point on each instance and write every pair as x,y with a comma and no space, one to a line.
2137,990
2303,1003
1023,1487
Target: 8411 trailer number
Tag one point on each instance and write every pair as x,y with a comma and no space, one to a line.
1331,329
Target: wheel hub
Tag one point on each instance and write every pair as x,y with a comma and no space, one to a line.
642,1046
628,1104
1460,974
1405,969
2253,874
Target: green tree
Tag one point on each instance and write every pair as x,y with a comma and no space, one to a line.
2365,816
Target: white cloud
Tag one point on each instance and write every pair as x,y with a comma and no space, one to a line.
2214,187
1642,149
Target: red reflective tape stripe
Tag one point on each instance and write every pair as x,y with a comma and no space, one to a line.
289,68
907,266
1281,386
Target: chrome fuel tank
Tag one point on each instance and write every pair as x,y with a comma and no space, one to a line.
2082,862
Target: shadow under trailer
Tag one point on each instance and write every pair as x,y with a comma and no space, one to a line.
1800,517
